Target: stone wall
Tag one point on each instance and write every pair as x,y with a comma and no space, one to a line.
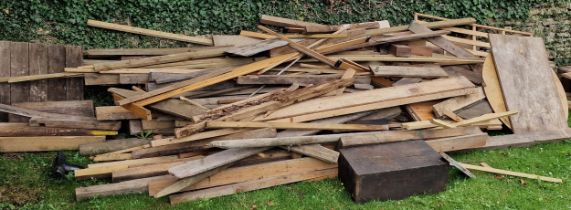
553,23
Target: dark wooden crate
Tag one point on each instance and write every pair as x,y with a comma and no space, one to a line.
392,171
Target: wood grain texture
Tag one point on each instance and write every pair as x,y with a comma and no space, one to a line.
19,66
74,86
408,71
493,89
45,143
527,83
56,63
4,72
38,65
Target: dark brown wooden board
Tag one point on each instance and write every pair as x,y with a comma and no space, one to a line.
56,64
4,72
38,60
392,171
19,66
73,58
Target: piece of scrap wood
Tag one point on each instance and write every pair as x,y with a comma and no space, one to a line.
511,173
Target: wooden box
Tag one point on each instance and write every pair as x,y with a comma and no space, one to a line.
392,171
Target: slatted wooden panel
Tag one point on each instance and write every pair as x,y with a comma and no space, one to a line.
20,58
4,72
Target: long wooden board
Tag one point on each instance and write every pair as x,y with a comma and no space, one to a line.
149,32
45,143
493,89
370,96
527,83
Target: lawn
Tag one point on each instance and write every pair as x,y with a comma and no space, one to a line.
25,184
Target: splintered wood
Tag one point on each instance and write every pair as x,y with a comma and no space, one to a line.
263,108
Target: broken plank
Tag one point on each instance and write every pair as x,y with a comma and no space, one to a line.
45,143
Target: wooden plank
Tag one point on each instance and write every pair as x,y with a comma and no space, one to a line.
527,139
149,32
408,71
23,129
303,49
180,88
101,79
407,37
376,105
282,141
392,136
56,64
144,171
127,187
4,72
19,66
457,103
252,185
213,161
252,49
441,41
170,106
233,40
214,52
431,25
74,58
99,170
493,89
38,66
110,146
511,173
78,107
45,143
400,50
114,113
441,60
287,125
286,22
135,51
527,83
292,79
247,173
371,96
126,79
458,143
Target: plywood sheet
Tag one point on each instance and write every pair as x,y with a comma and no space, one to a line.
527,83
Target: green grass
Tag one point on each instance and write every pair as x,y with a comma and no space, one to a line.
25,184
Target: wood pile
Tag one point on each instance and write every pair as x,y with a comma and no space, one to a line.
267,108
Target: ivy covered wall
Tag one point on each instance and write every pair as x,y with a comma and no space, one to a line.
64,21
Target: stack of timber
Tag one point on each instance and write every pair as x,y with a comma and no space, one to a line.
260,109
